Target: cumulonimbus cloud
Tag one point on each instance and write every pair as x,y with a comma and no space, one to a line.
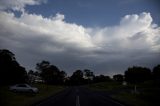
135,34
129,34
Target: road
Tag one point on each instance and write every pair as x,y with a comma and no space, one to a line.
79,96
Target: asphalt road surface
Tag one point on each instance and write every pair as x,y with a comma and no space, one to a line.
79,96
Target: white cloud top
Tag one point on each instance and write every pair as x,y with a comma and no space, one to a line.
135,34
132,31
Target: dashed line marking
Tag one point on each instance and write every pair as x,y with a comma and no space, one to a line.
77,101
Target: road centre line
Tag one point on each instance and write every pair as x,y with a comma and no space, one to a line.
77,101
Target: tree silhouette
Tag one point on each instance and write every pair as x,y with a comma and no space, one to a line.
118,77
42,65
101,78
77,78
137,75
88,74
34,76
156,74
50,73
10,70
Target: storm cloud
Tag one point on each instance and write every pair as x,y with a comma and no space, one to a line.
107,50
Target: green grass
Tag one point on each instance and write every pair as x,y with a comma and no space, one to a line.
105,86
9,98
147,97
148,92
130,99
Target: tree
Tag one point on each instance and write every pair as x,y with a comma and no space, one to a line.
101,78
118,78
34,76
50,73
62,76
42,65
156,75
156,72
88,74
137,75
10,70
77,78
6,56
31,72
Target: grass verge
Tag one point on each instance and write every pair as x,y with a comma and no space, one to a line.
148,93
8,98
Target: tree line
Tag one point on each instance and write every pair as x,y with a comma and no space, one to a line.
11,72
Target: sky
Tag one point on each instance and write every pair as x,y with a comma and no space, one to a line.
105,36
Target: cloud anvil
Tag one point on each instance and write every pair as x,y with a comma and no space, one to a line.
33,37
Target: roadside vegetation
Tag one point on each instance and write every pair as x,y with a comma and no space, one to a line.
9,98
138,86
147,94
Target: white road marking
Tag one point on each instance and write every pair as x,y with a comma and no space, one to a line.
77,101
